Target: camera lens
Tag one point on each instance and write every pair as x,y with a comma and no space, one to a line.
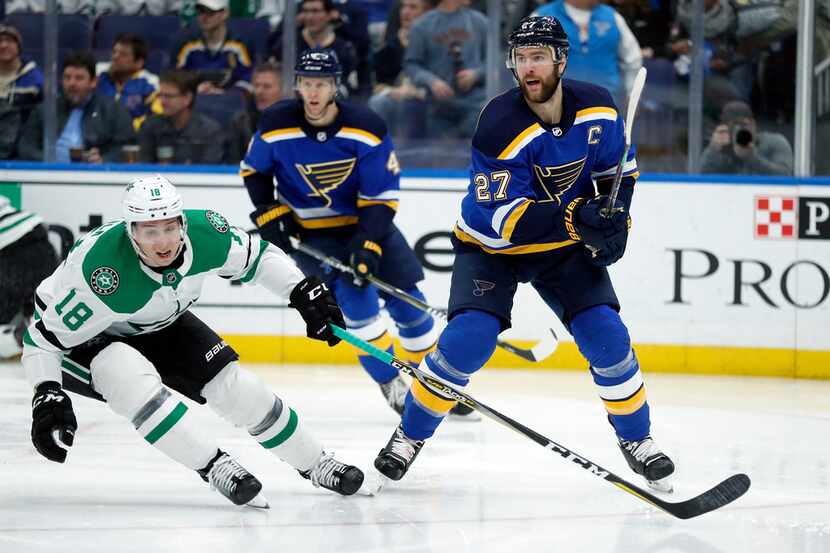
743,137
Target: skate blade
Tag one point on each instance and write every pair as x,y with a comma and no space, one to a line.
373,483
664,485
259,502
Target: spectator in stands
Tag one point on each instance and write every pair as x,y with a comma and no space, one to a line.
726,79
446,55
21,89
137,7
125,79
39,6
394,93
316,20
650,22
267,83
737,147
221,59
91,128
178,134
603,49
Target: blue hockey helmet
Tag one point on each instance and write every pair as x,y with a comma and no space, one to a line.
319,62
538,31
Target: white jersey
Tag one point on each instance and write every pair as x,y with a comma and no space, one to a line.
103,287
14,224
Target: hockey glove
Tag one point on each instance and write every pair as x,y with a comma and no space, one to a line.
275,225
317,306
51,411
605,237
364,257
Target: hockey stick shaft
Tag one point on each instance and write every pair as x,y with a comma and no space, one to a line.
535,354
725,492
633,102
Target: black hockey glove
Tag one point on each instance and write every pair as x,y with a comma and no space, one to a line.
52,410
605,237
364,257
317,306
276,225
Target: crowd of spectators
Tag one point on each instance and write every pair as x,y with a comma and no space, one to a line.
422,68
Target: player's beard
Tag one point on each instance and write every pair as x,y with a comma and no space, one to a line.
548,89
324,111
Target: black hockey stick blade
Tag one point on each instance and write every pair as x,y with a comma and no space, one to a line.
543,349
724,493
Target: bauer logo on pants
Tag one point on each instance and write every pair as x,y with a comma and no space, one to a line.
104,281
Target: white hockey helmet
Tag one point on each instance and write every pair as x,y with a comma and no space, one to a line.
152,198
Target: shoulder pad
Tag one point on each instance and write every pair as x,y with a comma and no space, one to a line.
282,115
504,119
210,239
111,270
587,95
362,118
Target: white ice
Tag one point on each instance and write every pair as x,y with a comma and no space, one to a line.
476,487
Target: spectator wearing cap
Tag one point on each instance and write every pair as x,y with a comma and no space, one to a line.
317,19
94,128
180,135
737,147
125,79
21,89
221,59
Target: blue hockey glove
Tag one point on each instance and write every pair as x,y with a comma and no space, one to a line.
364,257
276,225
605,237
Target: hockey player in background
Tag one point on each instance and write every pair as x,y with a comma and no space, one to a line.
26,258
113,323
531,214
337,183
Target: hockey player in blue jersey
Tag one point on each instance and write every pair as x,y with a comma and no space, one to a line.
337,183
531,214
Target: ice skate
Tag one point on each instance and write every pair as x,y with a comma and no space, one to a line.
333,475
646,459
231,479
395,459
395,393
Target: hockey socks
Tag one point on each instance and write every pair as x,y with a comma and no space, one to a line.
163,422
603,340
282,433
457,357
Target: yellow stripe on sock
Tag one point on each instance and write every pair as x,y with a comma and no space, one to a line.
415,357
626,406
429,400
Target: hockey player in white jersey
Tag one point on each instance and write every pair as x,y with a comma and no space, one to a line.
112,322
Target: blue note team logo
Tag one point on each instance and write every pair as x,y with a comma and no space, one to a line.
104,281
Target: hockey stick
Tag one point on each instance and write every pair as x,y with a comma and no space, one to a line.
724,493
631,111
541,351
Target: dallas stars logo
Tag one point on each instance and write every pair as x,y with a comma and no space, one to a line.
217,221
104,281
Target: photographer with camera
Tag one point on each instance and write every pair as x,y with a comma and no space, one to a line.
737,147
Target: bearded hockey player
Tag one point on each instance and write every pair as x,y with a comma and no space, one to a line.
112,322
531,214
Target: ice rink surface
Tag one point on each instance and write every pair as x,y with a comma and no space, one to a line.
476,487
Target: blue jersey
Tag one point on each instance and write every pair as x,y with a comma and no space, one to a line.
329,177
524,171
138,94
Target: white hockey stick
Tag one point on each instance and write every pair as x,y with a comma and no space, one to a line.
633,102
